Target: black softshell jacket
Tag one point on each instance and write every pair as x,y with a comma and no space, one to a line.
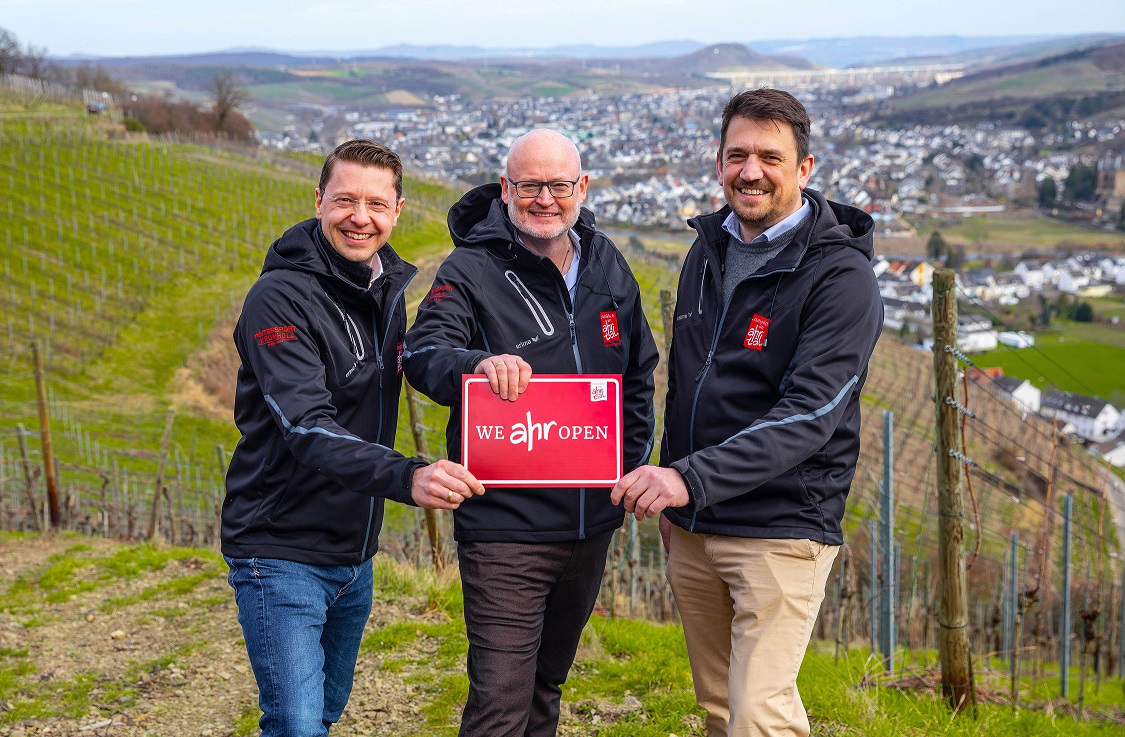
493,296
317,405
767,440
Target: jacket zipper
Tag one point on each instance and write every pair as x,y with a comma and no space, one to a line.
379,346
710,356
578,364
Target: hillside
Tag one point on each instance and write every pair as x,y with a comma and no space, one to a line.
364,82
121,256
1076,83
115,640
132,291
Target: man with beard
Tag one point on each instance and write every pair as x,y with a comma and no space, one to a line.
531,286
777,314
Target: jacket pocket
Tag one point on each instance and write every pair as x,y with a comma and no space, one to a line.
273,507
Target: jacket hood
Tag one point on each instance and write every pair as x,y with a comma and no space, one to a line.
480,217
834,224
304,248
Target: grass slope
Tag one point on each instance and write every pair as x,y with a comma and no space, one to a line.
119,257
143,640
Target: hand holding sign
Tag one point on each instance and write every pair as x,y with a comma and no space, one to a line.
443,485
507,375
647,491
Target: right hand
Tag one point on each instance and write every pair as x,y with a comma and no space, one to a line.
507,375
443,485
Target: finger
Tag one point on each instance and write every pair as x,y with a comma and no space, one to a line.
501,370
525,374
514,379
622,486
488,368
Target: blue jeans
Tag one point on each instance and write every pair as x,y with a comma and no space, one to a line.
302,625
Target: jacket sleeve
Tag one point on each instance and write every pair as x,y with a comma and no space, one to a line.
841,321
638,385
291,376
437,348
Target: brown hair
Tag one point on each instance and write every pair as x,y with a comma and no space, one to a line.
365,153
767,104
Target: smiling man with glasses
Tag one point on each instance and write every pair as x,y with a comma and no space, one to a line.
319,339
532,286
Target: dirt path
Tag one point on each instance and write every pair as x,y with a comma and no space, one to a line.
149,658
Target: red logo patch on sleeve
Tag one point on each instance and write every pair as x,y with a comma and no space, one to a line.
611,334
275,335
756,333
399,349
439,293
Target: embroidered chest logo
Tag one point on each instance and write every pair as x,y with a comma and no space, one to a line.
275,335
756,333
611,334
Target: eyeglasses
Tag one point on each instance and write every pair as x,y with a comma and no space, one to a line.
373,206
559,189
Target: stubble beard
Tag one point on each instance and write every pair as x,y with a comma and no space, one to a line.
528,226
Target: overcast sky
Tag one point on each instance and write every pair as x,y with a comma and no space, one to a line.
147,27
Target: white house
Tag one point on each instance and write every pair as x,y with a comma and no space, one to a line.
1093,419
976,341
1072,281
1030,273
1022,394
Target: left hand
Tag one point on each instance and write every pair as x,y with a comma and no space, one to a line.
649,490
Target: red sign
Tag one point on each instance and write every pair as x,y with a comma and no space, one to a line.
756,333
565,430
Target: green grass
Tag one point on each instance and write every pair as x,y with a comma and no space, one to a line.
79,569
157,245
1020,231
1095,367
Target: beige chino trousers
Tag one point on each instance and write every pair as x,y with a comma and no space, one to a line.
748,607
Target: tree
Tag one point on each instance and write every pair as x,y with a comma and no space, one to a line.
95,77
936,247
1081,182
1082,312
1048,192
34,63
10,55
227,97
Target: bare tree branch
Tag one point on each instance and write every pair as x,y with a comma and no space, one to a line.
227,97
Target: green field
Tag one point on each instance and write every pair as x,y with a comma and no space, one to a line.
1019,231
1086,366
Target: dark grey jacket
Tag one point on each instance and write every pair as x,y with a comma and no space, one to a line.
317,405
493,296
767,440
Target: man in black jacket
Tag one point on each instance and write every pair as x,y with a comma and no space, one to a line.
320,339
531,286
776,317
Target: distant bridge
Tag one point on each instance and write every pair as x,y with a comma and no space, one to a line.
937,73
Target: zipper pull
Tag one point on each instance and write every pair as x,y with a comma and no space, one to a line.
705,365
573,337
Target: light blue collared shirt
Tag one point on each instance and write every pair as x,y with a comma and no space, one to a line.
771,233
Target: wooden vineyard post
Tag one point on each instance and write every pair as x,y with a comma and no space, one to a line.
45,438
169,419
437,554
953,616
28,476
